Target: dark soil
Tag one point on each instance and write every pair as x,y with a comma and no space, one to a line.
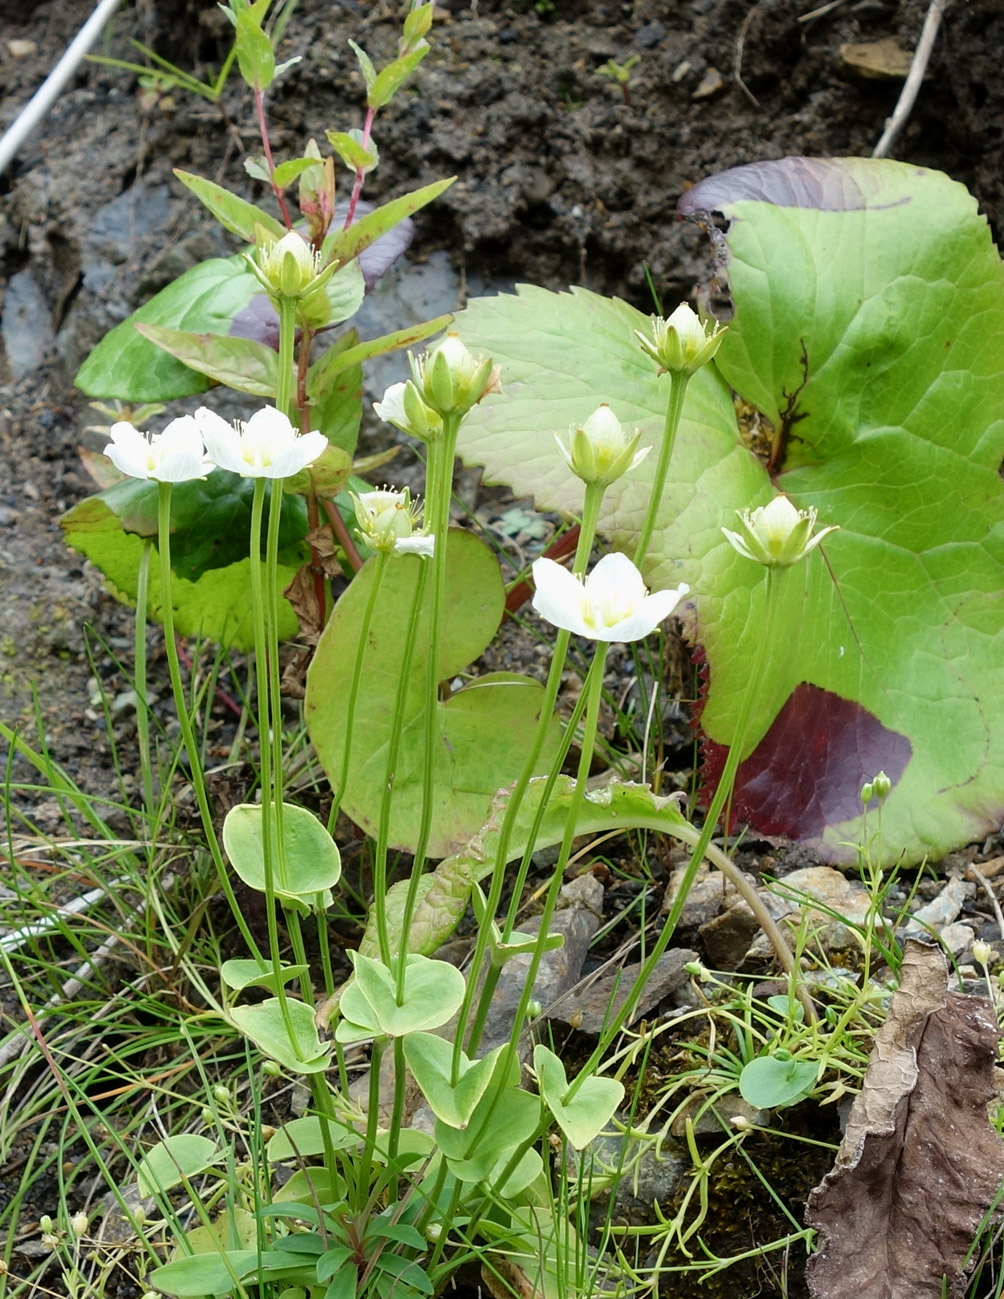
563,178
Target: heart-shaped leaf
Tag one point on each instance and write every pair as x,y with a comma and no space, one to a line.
430,1059
504,1118
301,1052
309,863
770,1082
583,1116
210,520
467,771
239,974
304,1138
869,328
433,991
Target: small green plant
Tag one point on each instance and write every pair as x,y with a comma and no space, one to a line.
620,73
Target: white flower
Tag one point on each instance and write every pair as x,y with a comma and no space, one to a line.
402,406
777,534
175,456
267,446
611,605
682,343
387,519
599,451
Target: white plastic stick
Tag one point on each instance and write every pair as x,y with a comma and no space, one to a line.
43,99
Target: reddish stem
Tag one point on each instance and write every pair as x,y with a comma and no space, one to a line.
280,197
357,186
343,534
521,592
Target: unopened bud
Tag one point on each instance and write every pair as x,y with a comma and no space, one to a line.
78,1224
599,450
982,953
682,344
776,535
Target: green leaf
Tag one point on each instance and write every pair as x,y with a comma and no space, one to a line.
356,155
586,1114
233,213
869,324
309,862
211,587
390,79
770,1083
255,56
430,1059
365,63
173,1160
288,171
240,363
433,991
466,772
346,244
303,1052
203,300
304,1139
239,974
198,1275
445,893
346,290
504,1118
343,356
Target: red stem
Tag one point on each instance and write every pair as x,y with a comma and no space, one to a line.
280,197
343,534
357,186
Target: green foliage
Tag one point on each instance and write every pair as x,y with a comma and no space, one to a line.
209,550
773,1081
466,771
309,864
871,338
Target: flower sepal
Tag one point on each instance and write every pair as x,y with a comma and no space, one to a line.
683,343
776,535
599,450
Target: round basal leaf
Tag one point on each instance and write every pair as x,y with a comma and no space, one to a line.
869,327
467,771
196,1275
265,1026
310,864
174,1159
430,1059
211,587
303,1139
768,1083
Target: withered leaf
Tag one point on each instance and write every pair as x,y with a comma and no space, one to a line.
919,1164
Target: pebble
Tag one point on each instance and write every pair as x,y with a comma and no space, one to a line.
21,49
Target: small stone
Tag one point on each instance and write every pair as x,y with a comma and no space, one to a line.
943,909
650,35
711,83
883,60
21,49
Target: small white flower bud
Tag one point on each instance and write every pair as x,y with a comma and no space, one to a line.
682,344
776,535
599,450
982,953
78,1224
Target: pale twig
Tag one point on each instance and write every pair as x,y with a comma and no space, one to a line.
984,883
911,87
737,63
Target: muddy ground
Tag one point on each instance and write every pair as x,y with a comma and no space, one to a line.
563,178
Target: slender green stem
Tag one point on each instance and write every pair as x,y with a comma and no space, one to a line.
587,534
677,392
702,849
139,656
593,690
379,568
269,826
439,494
184,719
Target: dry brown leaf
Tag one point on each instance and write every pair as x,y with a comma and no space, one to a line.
919,1164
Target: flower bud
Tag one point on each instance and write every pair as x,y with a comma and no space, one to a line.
387,521
599,451
777,534
78,1224
221,1095
271,1069
450,380
982,953
289,267
682,344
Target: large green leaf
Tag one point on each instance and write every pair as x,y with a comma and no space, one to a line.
210,519
203,300
869,326
467,771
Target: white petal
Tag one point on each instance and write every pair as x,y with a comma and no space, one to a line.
615,576
559,597
224,446
391,408
420,543
129,450
270,427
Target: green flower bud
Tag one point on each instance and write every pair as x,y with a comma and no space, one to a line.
450,380
289,267
271,1069
599,451
682,344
